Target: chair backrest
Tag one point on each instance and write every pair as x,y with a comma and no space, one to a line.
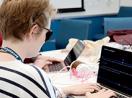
71,28
117,23
125,11
49,45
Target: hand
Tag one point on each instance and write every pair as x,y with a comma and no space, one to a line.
44,61
101,94
80,89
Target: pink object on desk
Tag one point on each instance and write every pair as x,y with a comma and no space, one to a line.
83,75
123,37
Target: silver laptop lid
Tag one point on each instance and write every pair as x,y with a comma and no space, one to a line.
74,53
115,70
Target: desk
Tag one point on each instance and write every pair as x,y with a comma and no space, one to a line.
61,79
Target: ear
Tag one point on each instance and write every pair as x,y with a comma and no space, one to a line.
34,30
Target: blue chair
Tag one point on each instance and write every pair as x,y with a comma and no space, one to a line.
125,11
71,28
117,23
49,45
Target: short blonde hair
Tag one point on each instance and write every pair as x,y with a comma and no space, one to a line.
18,16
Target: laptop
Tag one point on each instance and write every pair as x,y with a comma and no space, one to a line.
115,71
73,54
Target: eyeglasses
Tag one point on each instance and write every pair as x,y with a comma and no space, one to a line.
48,34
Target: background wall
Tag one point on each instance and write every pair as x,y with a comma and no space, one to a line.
96,11
95,7
96,30
126,3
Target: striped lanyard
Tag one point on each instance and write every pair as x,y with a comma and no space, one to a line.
12,52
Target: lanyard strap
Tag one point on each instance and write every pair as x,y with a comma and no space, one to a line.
12,52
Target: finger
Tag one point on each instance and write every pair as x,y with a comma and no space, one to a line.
88,94
46,68
55,59
42,57
48,63
110,93
39,61
102,91
42,64
49,58
95,87
91,90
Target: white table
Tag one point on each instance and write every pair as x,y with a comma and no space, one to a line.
61,79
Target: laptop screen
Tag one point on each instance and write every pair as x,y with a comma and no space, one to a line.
115,70
74,53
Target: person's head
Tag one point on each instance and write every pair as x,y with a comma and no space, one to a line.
25,20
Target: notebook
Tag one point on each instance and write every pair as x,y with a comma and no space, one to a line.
73,54
115,71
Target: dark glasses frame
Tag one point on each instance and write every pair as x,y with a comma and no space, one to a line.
48,34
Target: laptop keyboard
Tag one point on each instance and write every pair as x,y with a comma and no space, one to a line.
56,66
120,96
117,95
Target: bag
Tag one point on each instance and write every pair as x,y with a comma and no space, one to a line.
123,37
0,39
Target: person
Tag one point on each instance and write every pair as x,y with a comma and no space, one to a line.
24,25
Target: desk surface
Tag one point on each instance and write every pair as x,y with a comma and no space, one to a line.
61,79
